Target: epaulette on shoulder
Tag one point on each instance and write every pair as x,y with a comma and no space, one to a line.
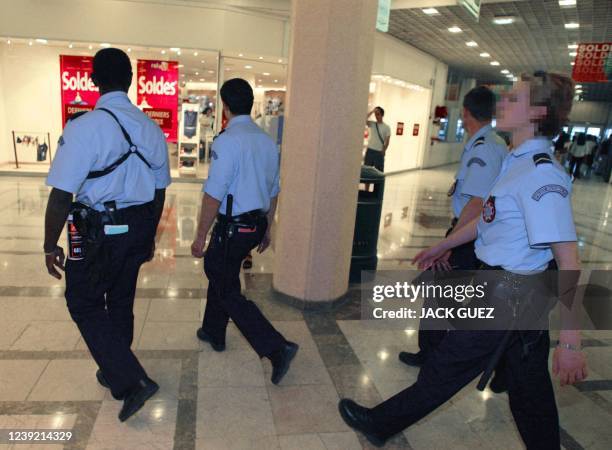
542,158
75,116
479,141
220,133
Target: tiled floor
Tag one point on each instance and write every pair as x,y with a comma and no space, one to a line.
225,400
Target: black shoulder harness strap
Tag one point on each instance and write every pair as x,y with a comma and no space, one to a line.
542,158
132,151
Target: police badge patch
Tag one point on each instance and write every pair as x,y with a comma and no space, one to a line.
488,210
548,189
452,189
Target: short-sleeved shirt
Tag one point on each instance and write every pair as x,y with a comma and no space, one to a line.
481,162
528,208
244,163
374,140
94,141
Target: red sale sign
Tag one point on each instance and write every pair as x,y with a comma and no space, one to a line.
78,90
593,62
157,94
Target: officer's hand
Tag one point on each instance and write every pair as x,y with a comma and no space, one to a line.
425,259
55,259
197,247
569,365
265,243
442,264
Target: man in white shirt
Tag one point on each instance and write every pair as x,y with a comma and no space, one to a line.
378,140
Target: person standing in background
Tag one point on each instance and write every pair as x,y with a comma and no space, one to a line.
378,139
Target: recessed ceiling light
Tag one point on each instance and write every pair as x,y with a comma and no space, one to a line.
180,65
105,44
572,26
494,63
41,41
266,74
261,57
485,55
163,52
455,29
248,67
276,81
30,43
227,69
504,20
240,54
70,45
573,54
129,50
178,53
280,60
505,71
195,53
211,71
573,63
431,11
572,46
175,49
567,3
90,47
8,42
472,44
201,79
197,73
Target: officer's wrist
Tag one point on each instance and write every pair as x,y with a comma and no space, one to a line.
49,251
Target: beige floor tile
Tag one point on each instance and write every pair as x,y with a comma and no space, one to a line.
230,369
25,309
38,421
306,368
230,413
68,380
306,409
169,336
174,310
302,442
39,336
17,377
152,427
10,331
296,331
239,443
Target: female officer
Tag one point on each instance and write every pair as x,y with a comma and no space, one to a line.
526,223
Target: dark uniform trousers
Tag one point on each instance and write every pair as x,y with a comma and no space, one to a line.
257,330
462,258
459,359
100,296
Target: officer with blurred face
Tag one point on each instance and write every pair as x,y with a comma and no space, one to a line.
480,164
245,166
115,160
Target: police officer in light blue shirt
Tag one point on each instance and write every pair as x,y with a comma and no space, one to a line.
480,163
528,220
116,162
245,166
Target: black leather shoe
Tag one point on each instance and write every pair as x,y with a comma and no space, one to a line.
281,360
412,359
499,384
137,398
101,379
358,418
204,336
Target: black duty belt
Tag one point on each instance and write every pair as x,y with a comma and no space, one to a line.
248,218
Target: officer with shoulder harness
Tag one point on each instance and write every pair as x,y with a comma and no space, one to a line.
115,160
526,226
241,193
481,162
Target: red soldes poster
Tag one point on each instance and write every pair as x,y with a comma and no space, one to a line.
157,94
78,91
593,62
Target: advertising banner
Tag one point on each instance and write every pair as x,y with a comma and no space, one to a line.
415,129
593,63
157,94
399,131
78,91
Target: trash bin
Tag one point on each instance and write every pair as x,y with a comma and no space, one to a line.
367,222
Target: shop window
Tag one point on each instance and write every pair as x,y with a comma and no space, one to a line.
594,131
576,130
460,133
442,133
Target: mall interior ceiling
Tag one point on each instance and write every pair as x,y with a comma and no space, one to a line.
520,35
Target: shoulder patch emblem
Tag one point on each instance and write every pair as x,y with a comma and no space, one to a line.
549,189
213,155
488,210
542,158
476,160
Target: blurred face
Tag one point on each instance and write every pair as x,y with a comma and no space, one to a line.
378,115
514,111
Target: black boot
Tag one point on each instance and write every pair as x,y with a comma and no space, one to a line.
204,336
137,397
412,359
281,360
358,418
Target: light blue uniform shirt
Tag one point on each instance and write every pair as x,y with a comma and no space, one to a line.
528,208
244,163
481,161
94,141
